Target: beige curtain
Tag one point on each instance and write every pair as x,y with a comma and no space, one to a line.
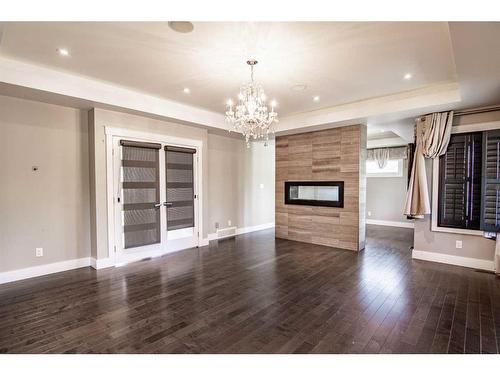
382,155
433,135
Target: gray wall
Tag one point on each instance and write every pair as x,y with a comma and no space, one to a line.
231,175
62,207
98,120
241,182
385,197
48,208
438,242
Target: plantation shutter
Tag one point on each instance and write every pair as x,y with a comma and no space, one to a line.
459,201
490,218
141,193
180,187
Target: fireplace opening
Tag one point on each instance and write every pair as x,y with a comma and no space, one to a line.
315,193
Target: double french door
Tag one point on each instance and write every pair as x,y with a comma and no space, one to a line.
155,199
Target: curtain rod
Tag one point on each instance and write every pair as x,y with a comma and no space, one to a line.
471,111
477,110
374,148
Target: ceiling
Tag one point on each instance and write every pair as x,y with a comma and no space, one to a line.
340,62
356,68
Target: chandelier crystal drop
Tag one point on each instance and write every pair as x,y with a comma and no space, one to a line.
251,115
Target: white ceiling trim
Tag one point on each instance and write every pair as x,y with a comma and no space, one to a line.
430,96
36,77
404,131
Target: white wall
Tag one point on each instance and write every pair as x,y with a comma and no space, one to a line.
385,197
48,208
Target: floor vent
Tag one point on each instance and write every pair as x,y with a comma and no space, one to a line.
226,232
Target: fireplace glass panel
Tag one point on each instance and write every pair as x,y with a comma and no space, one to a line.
315,193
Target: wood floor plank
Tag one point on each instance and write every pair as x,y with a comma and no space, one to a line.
258,294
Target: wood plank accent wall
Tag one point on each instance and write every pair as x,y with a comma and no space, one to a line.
335,155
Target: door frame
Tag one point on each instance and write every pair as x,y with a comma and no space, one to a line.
137,135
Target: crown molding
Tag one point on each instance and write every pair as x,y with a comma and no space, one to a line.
357,112
54,85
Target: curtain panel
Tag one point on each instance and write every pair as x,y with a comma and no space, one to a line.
382,155
433,136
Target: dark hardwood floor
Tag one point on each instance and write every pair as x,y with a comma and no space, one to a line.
256,294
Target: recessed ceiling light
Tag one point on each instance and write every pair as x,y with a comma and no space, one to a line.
316,98
63,51
300,87
186,90
183,27
407,76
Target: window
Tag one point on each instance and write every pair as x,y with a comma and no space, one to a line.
469,183
490,204
459,199
394,168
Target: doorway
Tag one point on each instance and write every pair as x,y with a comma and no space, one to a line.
155,196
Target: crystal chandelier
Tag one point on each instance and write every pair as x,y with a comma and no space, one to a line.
251,115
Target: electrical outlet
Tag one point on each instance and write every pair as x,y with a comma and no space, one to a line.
458,244
229,223
369,213
39,251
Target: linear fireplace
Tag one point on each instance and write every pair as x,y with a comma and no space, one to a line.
315,193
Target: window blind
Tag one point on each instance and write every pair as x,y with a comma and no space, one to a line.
180,187
140,193
459,201
490,208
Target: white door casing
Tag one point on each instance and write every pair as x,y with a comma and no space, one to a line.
170,240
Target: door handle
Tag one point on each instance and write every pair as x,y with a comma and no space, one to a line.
157,205
168,204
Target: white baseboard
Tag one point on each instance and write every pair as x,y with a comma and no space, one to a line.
44,269
388,223
243,230
481,264
47,269
254,228
99,264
